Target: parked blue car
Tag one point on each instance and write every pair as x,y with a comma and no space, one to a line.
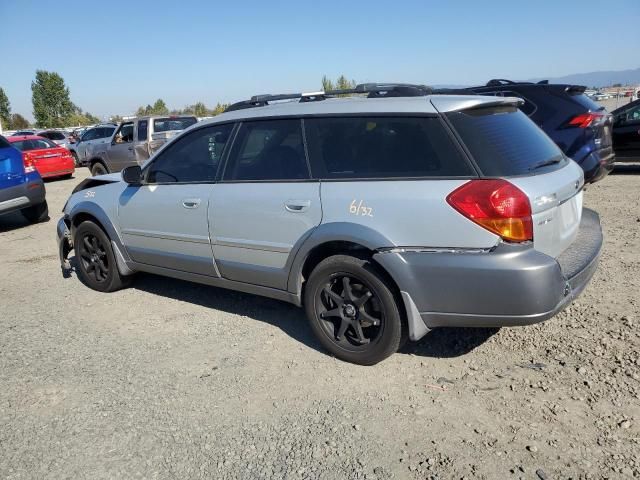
577,124
21,187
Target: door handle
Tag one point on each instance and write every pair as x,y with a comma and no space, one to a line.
130,148
191,202
297,206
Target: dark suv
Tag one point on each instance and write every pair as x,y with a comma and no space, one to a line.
577,124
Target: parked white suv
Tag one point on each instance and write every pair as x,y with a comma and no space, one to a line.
385,216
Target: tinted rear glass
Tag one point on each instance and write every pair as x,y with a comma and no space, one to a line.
586,102
504,141
35,144
383,147
4,143
55,135
168,124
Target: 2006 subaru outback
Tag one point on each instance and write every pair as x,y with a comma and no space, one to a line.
385,214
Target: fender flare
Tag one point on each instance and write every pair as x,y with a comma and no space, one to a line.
122,257
332,232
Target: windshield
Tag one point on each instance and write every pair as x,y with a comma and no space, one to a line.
34,144
504,141
168,124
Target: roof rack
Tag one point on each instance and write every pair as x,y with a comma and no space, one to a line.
372,90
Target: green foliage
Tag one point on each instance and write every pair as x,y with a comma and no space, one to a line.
160,108
5,109
79,118
116,118
50,97
342,83
198,109
18,122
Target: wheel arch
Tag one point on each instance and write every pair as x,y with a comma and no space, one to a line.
332,239
90,211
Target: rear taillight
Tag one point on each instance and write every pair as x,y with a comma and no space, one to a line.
497,205
27,161
585,120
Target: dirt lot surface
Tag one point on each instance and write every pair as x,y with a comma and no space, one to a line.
174,380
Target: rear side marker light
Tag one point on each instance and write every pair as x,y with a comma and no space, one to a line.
585,120
497,205
27,161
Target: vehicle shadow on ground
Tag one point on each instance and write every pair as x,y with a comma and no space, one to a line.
449,342
13,221
439,343
626,169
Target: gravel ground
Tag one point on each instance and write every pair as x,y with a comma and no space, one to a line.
174,380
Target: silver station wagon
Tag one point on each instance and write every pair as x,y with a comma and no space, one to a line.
385,211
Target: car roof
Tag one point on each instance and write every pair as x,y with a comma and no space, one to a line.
361,105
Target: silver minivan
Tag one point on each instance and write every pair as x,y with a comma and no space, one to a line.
384,214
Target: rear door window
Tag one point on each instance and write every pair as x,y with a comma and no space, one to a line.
268,150
383,147
4,143
504,141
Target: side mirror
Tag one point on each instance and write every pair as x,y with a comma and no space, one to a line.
132,175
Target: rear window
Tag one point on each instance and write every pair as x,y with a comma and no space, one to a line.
383,147
504,141
4,143
55,135
586,102
168,124
36,144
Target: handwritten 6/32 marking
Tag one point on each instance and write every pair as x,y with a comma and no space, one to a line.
359,208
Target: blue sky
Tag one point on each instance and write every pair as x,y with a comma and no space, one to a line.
115,56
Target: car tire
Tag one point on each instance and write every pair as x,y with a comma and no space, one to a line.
36,213
353,309
95,259
76,160
99,168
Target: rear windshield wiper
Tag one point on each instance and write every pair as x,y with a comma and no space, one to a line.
546,163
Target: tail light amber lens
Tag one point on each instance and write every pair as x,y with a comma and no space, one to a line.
497,205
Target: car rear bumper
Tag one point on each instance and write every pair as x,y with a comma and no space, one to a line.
598,164
22,196
508,286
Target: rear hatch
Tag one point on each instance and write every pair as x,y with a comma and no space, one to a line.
595,117
11,165
505,143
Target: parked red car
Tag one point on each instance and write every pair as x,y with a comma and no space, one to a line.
49,159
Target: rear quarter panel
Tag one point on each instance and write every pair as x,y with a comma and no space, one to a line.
409,213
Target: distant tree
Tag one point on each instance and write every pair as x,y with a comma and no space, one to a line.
5,109
18,122
50,98
160,108
616,85
200,110
115,118
327,84
219,108
342,83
